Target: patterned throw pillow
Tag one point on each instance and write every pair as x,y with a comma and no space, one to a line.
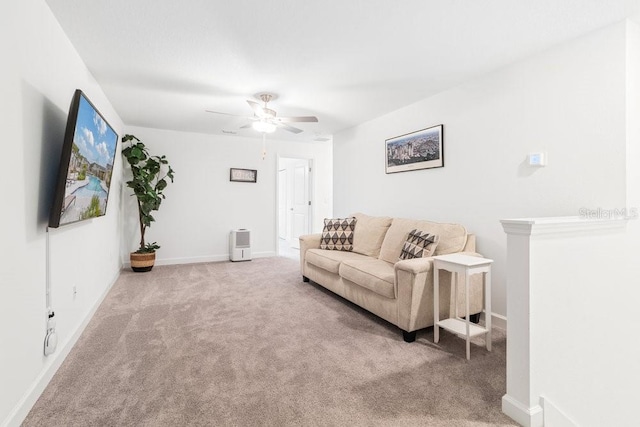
337,234
419,244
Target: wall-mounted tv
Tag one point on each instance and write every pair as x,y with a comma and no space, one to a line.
86,164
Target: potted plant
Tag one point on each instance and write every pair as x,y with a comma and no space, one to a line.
149,180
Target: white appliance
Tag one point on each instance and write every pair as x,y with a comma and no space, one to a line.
240,245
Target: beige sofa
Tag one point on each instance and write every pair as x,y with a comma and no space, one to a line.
373,277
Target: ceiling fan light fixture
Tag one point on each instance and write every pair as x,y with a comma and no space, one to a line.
263,126
265,120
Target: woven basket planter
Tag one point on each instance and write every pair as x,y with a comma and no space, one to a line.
141,263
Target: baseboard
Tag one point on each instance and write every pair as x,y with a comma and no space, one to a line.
24,405
192,260
200,259
554,416
527,417
497,320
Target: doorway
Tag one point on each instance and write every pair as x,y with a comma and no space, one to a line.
294,203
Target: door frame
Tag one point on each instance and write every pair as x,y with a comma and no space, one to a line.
311,162
282,204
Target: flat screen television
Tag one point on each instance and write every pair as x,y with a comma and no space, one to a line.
86,165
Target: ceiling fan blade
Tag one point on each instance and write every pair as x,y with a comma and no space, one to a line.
257,108
312,119
287,127
248,125
224,114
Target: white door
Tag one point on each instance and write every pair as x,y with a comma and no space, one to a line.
282,203
300,207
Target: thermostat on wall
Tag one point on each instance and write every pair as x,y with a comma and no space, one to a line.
537,159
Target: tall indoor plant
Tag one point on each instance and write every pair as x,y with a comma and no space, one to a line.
149,179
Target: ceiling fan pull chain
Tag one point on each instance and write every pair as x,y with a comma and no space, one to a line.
264,146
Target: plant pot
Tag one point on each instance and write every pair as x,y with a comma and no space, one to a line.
141,263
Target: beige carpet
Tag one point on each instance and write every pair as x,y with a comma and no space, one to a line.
246,344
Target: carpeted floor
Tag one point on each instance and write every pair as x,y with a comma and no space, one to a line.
245,344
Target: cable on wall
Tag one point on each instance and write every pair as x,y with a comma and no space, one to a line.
51,338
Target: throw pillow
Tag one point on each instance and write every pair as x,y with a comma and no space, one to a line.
337,234
419,244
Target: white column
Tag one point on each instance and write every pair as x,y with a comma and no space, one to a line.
519,403
544,256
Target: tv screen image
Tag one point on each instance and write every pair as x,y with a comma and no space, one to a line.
86,164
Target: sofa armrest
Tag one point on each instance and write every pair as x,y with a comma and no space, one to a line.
470,246
414,291
422,265
415,265
308,241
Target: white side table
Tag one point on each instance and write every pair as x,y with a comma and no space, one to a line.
465,265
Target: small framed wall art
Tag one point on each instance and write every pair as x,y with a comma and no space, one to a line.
243,175
422,149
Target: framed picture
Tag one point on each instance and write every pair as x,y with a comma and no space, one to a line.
422,149
243,175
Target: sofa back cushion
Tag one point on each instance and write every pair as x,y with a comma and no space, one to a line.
451,237
369,234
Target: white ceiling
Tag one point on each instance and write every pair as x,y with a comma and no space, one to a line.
161,63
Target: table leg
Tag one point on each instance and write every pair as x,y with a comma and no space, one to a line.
454,288
436,304
487,306
466,301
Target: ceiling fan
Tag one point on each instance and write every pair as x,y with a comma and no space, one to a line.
265,119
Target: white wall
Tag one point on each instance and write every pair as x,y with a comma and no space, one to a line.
633,113
568,101
38,77
202,205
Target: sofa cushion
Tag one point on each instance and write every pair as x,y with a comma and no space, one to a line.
452,237
419,244
369,234
337,234
329,260
371,273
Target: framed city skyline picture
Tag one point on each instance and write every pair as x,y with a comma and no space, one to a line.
422,149
243,175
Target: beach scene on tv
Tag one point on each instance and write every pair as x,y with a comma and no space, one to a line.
90,166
